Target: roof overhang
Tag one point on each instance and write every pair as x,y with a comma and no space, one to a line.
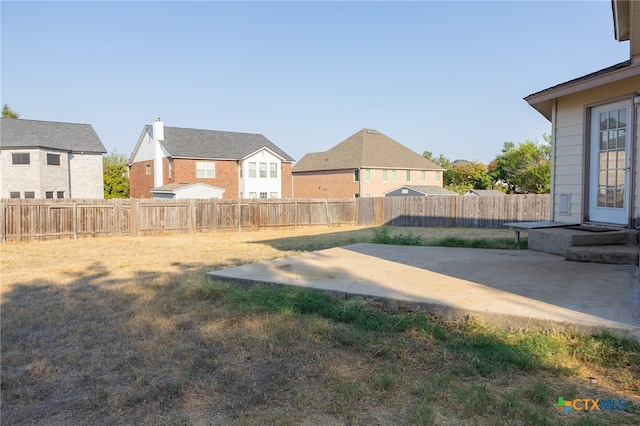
543,100
621,19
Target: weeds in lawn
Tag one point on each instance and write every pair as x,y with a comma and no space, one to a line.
145,338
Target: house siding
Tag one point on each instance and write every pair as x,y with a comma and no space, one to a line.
636,174
325,184
77,176
287,180
569,150
140,182
340,184
87,178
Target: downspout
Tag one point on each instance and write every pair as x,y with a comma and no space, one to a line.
553,160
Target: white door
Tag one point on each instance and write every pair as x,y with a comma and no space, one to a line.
610,171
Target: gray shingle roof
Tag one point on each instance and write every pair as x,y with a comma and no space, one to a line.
19,133
426,189
214,144
366,149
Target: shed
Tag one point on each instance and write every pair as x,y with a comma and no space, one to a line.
178,191
418,191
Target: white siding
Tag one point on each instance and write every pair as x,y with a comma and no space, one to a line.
569,139
258,184
87,179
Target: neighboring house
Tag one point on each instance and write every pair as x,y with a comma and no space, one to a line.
595,175
46,159
418,191
180,191
367,164
232,165
484,192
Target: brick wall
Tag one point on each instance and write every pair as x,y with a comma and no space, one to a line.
139,181
325,184
227,177
285,175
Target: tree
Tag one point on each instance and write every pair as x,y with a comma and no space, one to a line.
116,181
525,167
8,112
461,176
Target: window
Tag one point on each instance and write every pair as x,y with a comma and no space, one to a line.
205,169
14,194
393,175
273,170
384,176
20,158
252,171
29,194
53,159
437,176
273,195
367,175
252,194
408,175
263,170
263,195
48,194
423,176
148,169
356,175
60,194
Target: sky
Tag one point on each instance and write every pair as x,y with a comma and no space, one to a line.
446,77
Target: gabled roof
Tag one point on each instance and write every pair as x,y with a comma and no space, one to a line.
366,149
71,137
425,189
484,192
214,144
175,187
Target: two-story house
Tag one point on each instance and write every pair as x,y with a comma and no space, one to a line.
45,159
174,162
367,164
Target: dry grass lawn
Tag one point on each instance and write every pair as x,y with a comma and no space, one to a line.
128,331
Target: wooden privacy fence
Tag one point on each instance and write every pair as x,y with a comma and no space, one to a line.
46,219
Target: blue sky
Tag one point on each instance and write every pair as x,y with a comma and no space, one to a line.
448,77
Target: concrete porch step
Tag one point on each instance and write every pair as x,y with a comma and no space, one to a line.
558,240
612,254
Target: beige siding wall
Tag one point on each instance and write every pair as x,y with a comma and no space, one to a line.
636,175
377,186
569,139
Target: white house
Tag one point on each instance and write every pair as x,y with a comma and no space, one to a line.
44,159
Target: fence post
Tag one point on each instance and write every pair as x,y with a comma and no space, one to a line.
214,213
452,212
17,219
3,207
75,221
192,215
133,217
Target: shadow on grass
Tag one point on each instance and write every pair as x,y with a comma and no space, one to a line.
177,348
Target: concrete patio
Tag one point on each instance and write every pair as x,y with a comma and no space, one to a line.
505,288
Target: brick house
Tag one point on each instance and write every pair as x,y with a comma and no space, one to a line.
231,165
367,164
46,159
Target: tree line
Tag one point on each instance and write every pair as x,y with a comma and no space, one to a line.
523,168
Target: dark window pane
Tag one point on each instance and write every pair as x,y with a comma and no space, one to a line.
53,159
60,194
13,194
20,158
48,194
29,194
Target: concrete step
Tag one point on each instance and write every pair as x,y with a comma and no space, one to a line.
558,240
613,254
